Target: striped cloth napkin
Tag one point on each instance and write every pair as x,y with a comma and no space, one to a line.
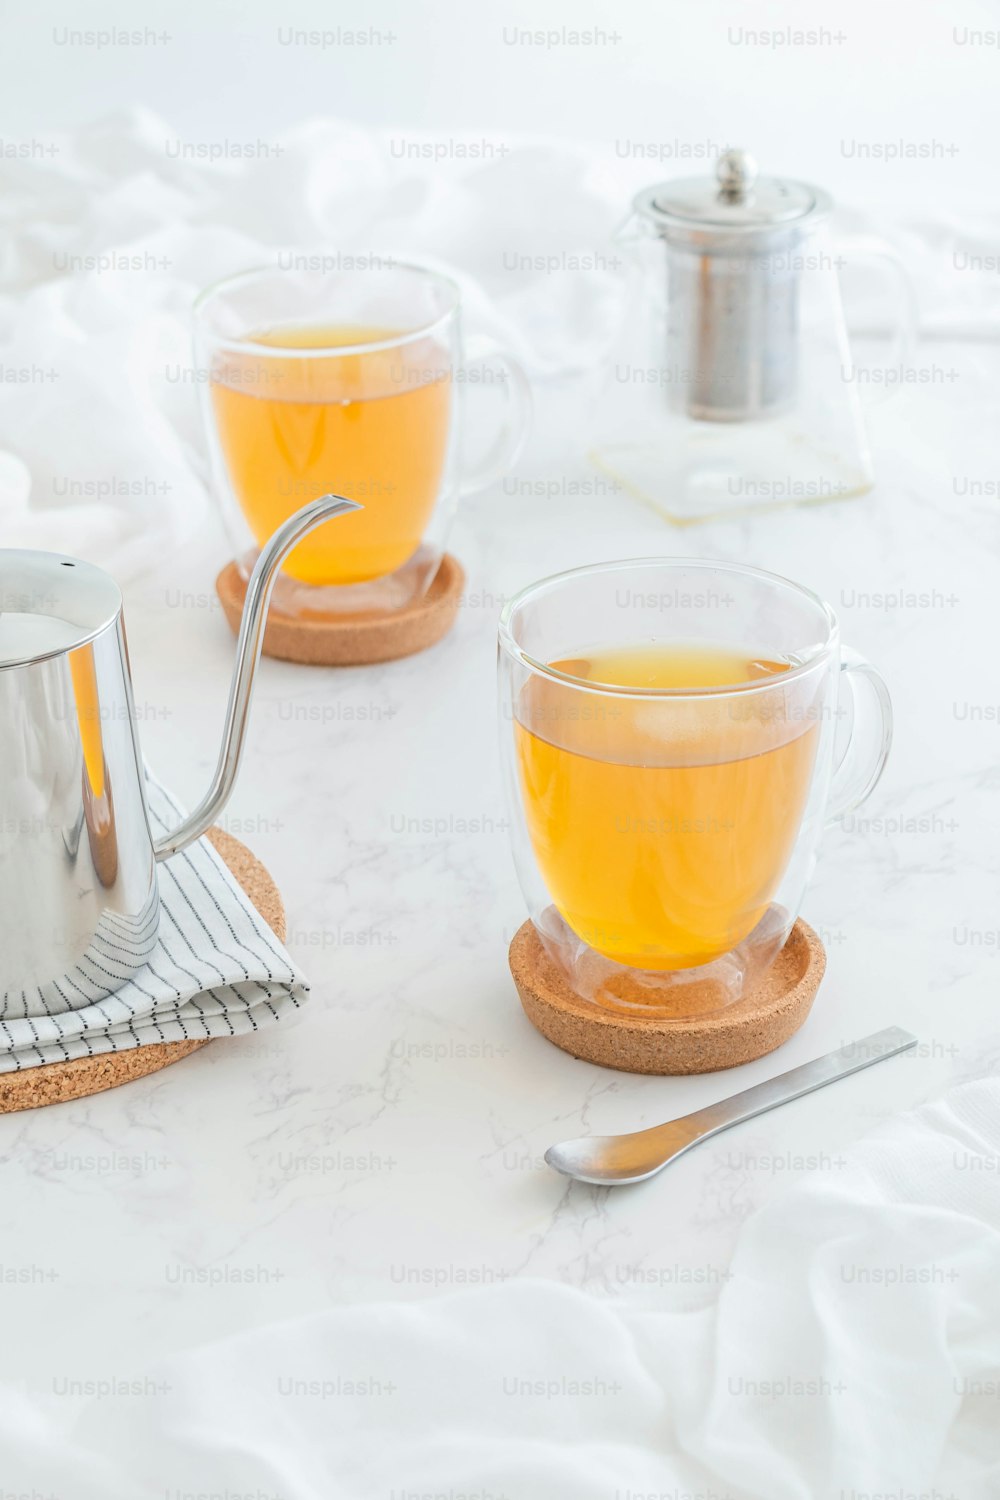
217,969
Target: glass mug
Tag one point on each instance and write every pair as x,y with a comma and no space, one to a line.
669,734
348,383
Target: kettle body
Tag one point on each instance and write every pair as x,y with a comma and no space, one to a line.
78,880
79,893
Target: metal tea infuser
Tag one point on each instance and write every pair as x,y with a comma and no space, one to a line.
78,884
731,386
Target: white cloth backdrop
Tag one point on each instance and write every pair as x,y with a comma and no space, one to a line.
107,241
853,1350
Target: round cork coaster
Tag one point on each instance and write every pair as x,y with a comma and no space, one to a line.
354,640
55,1083
643,1043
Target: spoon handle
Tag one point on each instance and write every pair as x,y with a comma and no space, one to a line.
799,1081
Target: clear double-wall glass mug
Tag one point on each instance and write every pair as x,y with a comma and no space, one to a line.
351,383
675,737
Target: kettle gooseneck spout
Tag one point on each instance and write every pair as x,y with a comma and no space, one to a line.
248,650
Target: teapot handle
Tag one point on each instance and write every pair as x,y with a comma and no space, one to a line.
868,248
248,651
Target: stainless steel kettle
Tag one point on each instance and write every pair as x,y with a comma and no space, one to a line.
79,899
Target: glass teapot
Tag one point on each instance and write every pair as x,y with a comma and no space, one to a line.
731,385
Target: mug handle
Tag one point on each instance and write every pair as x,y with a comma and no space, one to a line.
510,440
871,736
867,247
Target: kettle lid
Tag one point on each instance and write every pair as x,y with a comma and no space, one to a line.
737,198
51,604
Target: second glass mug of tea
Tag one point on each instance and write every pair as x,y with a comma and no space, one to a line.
673,734
352,383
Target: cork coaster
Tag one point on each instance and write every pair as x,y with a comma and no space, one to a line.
353,640
750,1027
55,1083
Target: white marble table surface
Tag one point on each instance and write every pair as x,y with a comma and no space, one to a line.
388,1143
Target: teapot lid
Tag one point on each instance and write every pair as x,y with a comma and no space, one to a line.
51,604
737,198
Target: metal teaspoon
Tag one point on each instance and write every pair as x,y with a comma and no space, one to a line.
612,1160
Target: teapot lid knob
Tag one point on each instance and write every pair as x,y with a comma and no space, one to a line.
737,172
